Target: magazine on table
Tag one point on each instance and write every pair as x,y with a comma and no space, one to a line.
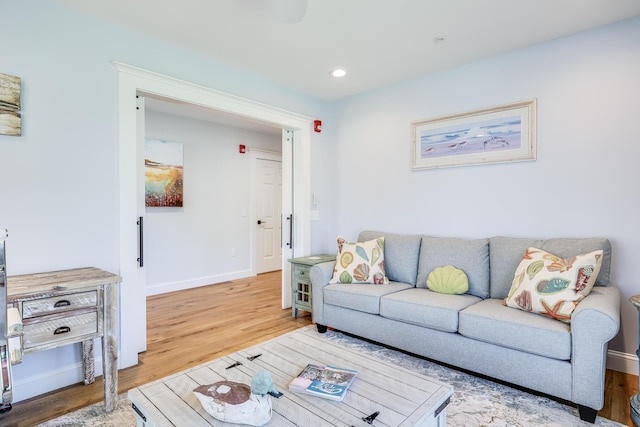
328,382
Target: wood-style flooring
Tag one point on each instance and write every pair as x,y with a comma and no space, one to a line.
189,327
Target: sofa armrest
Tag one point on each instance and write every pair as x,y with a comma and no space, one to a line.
320,275
595,322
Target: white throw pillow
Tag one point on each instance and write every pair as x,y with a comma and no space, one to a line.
361,262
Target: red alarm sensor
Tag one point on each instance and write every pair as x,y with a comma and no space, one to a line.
242,149
317,125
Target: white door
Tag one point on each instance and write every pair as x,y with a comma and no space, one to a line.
140,271
268,248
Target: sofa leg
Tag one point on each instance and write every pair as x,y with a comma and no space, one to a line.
321,328
587,414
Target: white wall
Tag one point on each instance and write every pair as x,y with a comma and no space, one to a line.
583,184
60,179
191,246
59,192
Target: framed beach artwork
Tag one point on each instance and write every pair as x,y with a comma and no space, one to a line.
501,134
163,173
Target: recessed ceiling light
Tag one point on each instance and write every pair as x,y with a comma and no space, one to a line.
339,72
439,39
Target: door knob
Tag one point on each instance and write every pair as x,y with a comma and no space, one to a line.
259,222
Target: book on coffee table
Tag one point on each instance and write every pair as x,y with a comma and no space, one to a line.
327,382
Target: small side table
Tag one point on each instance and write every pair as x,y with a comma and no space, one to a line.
635,399
301,283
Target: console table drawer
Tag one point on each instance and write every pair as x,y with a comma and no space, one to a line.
59,303
50,329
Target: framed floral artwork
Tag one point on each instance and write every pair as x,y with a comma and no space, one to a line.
163,173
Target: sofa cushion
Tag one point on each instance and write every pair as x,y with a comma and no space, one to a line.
491,321
361,262
505,254
551,286
360,297
400,253
448,280
426,308
470,256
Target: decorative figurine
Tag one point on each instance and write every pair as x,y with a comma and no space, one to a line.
238,403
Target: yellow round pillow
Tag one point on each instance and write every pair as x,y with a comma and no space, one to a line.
448,280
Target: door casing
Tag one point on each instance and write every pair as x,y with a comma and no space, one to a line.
296,199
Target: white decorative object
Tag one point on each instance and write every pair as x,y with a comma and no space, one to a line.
234,403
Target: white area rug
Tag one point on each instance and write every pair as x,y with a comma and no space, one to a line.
475,402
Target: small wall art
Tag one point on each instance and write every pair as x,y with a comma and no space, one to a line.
10,118
505,133
163,173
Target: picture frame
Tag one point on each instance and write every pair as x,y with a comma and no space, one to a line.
501,134
10,117
10,92
163,174
10,123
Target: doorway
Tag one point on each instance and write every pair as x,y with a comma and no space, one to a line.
295,201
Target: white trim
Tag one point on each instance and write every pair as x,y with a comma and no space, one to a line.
133,81
34,385
622,362
162,288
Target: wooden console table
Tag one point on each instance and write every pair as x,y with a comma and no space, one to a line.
67,307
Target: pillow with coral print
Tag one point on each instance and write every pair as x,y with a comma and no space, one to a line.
549,285
361,262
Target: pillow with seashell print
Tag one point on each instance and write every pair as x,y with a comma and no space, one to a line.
361,262
552,286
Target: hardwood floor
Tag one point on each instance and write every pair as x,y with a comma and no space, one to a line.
187,328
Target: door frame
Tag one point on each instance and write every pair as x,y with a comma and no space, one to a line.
255,155
133,81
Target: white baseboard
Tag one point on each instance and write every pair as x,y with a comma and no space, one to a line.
35,385
162,288
622,362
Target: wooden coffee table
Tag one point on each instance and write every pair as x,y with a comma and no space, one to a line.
402,397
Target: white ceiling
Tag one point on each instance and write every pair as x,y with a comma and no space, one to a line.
378,42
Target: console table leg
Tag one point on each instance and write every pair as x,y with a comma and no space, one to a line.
88,364
110,347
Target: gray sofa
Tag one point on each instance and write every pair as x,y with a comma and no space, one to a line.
475,331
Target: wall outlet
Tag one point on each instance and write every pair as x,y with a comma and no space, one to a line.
233,251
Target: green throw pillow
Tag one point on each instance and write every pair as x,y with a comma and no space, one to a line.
448,280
